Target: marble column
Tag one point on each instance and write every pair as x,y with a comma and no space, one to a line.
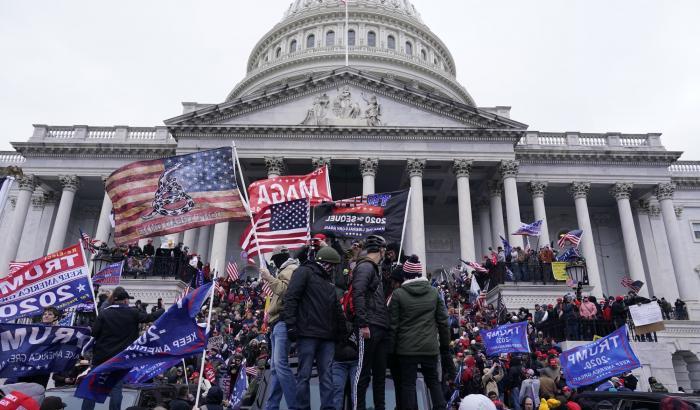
497,227
687,279
484,228
580,190
462,169
368,169
189,239
415,169
658,255
275,166
509,170
219,246
104,226
537,189
70,184
622,191
319,162
26,185
203,242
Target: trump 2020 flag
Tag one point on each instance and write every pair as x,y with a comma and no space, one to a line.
239,389
111,275
510,338
599,360
172,337
170,195
28,350
60,279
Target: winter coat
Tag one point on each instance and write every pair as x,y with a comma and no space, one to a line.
588,310
116,327
530,388
179,404
368,296
417,315
548,388
278,286
310,304
490,379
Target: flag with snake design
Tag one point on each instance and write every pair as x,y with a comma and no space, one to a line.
174,194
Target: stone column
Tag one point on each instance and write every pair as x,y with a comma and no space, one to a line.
537,190
462,168
685,277
484,227
655,246
497,227
509,169
104,226
219,246
275,166
203,242
318,162
26,185
368,169
580,190
190,239
415,169
622,191
70,185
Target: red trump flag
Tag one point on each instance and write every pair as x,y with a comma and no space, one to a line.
314,186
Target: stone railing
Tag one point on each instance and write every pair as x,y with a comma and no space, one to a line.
577,140
116,134
685,168
11,158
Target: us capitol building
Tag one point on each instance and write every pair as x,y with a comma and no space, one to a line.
394,118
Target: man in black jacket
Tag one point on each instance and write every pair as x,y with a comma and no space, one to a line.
372,320
115,328
312,314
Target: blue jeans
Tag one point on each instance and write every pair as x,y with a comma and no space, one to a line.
524,272
515,268
115,399
321,351
282,378
342,371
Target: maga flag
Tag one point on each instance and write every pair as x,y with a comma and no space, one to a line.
315,186
111,275
170,195
357,217
172,337
533,229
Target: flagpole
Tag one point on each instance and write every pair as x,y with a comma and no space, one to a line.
247,204
403,229
92,289
204,352
347,43
184,369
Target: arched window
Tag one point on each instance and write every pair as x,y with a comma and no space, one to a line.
371,39
310,41
391,43
424,55
351,37
409,48
293,46
330,38
435,62
278,52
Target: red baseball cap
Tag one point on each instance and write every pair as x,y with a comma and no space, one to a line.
320,237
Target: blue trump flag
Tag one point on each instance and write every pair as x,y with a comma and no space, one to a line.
599,360
27,350
174,336
239,389
510,338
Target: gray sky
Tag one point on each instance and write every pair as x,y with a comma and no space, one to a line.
589,65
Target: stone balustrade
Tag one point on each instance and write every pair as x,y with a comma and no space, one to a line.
579,140
83,133
685,168
8,158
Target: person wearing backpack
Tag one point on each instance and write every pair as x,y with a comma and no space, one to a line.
372,321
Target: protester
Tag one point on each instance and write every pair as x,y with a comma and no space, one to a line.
52,403
181,402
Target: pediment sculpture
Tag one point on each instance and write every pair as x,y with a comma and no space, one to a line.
343,110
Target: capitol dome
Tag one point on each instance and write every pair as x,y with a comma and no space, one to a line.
386,38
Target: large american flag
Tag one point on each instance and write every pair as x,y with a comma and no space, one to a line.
286,223
477,267
572,236
634,286
155,197
232,271
88,242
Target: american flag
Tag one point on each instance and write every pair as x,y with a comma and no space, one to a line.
481,300
183,294
532,229
572,236
15,266
88,243
232,271
286,223
174,194
251,371
634,286
266,289
477,267
219,289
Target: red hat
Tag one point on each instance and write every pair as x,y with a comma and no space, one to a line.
320,237
619,298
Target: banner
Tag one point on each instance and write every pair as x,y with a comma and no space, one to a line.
314,186
27,350
111,275
60,279
170,195
606,357
559,271
510,338
647,318
357,217
172,337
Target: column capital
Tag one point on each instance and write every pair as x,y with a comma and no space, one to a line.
415,167
38,201
537,188
495,188
580,189
369,166
678,209
69,182
665,191
462,167
509,168
622,190
483,203
654,211
319,162
274,165
26,183
642,206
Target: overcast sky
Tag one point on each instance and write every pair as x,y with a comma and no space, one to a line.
590,65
